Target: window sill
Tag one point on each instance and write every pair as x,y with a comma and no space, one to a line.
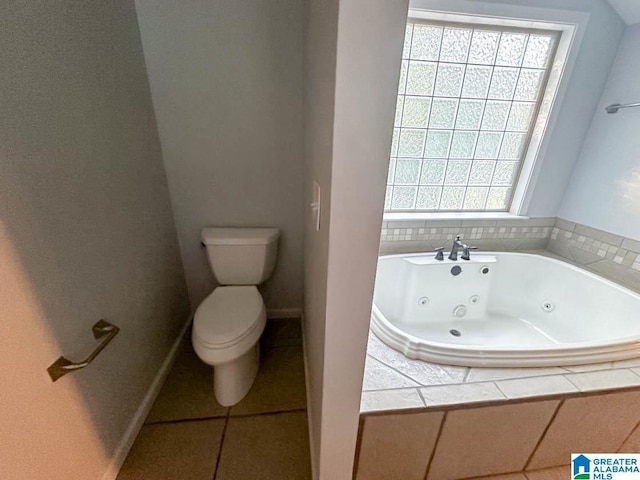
408,216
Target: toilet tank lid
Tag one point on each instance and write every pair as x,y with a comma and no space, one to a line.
239,236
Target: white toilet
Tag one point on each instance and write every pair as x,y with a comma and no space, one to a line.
228,323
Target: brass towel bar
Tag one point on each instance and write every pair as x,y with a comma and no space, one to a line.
62,365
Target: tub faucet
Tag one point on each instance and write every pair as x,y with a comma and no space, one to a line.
457,246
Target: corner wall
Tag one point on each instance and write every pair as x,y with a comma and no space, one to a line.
86,232
353,65
604,191
226,81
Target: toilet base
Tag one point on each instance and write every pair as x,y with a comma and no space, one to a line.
233,380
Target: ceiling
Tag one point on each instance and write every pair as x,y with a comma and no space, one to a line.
629,10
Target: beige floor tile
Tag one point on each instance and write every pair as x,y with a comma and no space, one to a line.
632,444
489,440
181,451
279,385
188,391
508,476
589,424
557,473
285,332
397,446
266,447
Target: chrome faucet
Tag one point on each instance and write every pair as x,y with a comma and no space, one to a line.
457,246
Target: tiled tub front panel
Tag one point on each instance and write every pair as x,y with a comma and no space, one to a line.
520,438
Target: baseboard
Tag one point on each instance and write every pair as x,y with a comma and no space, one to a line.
130,434
284,312
312,451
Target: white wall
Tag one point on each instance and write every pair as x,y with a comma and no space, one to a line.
604,191
226,82
350,100
86,232
319,96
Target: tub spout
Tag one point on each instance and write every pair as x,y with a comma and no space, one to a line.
457,247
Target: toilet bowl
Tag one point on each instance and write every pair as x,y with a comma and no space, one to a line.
227,325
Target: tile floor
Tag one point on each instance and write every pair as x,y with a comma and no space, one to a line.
189,436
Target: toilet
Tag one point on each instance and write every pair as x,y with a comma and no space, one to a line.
227,325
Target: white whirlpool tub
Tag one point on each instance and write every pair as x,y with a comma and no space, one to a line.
502,310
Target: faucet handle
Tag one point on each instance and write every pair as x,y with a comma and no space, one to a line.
439,253
466,252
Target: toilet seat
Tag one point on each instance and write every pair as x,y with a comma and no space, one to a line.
228,323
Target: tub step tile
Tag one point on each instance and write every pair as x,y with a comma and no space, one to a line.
378,376
464,393
536,386
591,367
378,400
481,374
424,373
592,381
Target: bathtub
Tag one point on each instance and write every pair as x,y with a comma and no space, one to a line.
502,310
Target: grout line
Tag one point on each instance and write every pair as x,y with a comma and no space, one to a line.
544,433
424,402
219,457
435,445
228,414
628,436
466,375
264,414
356,459
392,389
186,420
271,347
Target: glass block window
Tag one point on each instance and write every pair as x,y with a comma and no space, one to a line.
467,103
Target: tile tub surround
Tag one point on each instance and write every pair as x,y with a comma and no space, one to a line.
497,234
606,254
522,440
393,382
609,255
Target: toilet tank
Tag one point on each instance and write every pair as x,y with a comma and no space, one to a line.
241,256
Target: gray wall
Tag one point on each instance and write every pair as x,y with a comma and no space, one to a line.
86,232
588,78
604,191
226,81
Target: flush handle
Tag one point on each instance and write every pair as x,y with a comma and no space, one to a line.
63,365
